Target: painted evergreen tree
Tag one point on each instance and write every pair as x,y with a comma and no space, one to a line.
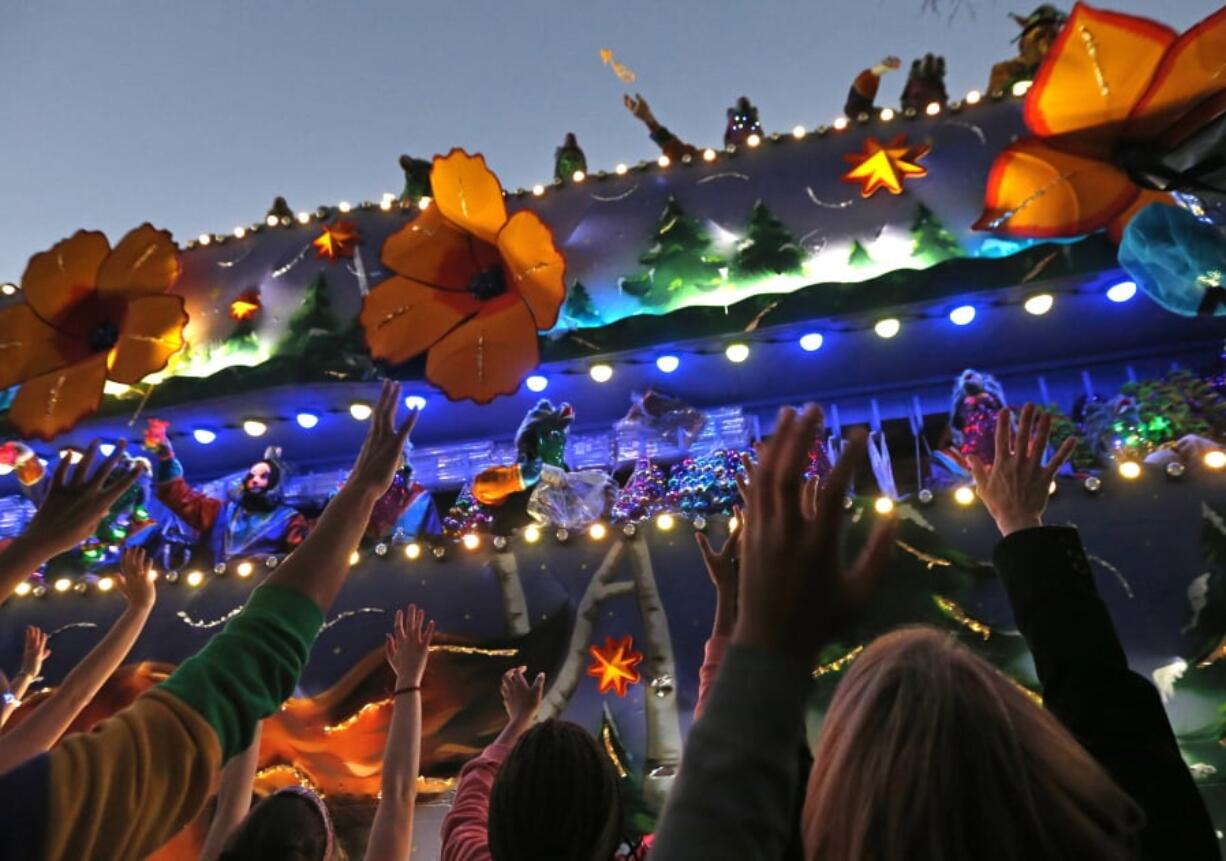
679,261
932,242
579,306
859,255
767,248
312,326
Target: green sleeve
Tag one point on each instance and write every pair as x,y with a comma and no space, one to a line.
245,672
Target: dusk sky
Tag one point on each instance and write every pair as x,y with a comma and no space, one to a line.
195,115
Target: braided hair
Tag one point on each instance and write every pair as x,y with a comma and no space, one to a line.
557,797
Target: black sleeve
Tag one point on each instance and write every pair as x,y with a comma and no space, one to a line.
1116,714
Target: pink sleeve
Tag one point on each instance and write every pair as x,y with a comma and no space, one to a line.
464,829
713,656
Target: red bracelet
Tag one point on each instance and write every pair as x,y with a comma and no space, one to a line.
405,690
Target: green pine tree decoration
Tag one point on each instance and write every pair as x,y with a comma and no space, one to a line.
679,262
313,326
579,306
932,242
768,247
859,256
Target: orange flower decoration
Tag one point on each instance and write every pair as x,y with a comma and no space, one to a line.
91,314
471,286
1110,83
614,665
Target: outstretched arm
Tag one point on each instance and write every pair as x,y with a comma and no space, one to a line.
466,826
75,502
32,658
43,728
233,799
317,567
1113,712
408,648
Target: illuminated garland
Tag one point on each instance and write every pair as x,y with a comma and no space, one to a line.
928,559
606,737
838,664
955,612
390,202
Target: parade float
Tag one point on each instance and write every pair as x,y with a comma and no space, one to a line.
592,356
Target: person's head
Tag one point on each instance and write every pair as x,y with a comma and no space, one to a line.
557,796
928,752
261,477
543,433
1039,31
289,825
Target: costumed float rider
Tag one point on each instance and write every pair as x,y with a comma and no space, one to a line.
252,521
406,510
742,122
974,407
568,159
925,84
1039,31
864,88
560,497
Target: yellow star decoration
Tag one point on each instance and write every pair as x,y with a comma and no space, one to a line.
614,665
887,166
337,240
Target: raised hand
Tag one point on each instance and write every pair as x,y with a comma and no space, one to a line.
384,445
794,595
76,501
721,564
408,646
638,106
1015,488
136,578
521,699
35,652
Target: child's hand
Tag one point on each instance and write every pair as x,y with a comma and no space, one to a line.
35,652
136,578
520,698
721,564
408,646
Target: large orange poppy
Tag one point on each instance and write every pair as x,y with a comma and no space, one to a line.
91,314
471,286
1110,82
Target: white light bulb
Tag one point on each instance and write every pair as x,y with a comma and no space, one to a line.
811,342
737,353
973,97
664,161
1122,292
1039,304
963,315
887,114
306,421
964,495
708,154
538,189
537,383
204,436
344,206
887,328
621,169
601,373
254,427
933,109
883,505
798,132
578,176
668,363
360,411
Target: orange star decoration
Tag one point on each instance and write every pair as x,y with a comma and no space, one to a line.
614,665
336,241
91,314
246,306
886,166
471,286
1112,86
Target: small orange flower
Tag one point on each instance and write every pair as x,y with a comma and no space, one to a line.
472,287
91,314
1111,83
614,665
336,241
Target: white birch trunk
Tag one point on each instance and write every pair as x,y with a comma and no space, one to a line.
659,704
600,587
514,604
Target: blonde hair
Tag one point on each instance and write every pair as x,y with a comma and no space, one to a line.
928,752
